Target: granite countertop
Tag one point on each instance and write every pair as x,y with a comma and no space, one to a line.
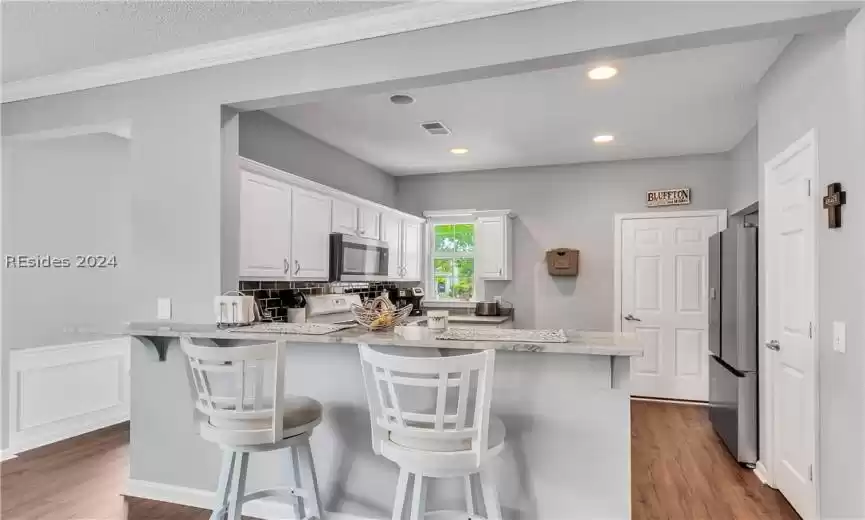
579,342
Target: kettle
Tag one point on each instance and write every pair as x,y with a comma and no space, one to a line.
487,308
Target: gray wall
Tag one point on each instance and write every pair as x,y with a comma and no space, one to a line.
819,82
64,198
566,206
744,172
268,140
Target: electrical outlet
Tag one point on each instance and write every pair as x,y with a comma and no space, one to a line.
839,336
163,308
497,299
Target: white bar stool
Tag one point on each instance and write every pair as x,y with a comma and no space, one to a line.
458,438
244,417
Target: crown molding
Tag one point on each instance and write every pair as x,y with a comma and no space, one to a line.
418,14
121,128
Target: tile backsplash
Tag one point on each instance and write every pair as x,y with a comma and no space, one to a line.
274,297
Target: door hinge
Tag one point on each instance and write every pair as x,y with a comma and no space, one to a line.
810,472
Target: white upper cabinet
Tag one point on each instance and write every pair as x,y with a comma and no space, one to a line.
493,238
265,226
391,232
310,232
345,217
412,256
369,222
286,222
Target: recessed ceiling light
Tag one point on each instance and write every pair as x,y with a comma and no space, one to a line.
459,151
603,72
401,99
603,139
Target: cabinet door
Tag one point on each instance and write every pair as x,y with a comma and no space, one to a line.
344,217
391,229
310,231
412,251
370,220
491,247
265,226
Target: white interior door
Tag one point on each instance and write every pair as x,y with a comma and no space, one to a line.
791,310
664,284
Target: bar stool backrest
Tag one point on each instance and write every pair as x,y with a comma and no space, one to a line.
231,390
462,386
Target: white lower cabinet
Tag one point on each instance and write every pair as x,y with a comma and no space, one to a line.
265,226
310,232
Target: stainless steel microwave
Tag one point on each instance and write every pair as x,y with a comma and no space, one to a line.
355,259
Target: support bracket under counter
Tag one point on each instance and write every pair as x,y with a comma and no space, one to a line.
159,343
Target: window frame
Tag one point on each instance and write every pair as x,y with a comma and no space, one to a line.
444,220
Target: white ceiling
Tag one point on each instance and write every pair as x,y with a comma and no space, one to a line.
41,38
685,102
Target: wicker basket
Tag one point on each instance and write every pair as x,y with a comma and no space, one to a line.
380,314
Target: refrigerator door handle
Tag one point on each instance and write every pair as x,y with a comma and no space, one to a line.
773,345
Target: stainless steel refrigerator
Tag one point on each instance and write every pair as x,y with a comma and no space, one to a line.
733,339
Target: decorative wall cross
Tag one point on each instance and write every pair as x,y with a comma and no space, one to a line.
833,201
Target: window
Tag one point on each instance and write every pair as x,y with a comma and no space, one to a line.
453,261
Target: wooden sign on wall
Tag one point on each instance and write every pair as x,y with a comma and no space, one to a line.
677,197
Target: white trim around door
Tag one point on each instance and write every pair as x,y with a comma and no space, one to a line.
769,459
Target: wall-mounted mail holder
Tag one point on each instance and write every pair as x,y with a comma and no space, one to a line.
563,262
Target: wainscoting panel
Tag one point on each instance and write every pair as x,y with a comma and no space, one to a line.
62,391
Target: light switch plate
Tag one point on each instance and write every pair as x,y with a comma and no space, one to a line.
839,336
163,308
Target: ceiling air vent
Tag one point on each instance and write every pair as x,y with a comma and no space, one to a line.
435,128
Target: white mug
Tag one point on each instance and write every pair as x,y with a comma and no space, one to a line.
437,320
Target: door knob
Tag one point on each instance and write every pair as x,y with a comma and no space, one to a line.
630,317
773,345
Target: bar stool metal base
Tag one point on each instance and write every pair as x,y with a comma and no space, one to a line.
301,493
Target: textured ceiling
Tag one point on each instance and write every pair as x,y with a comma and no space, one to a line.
40,37
685,102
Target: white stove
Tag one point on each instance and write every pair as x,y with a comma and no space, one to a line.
331,308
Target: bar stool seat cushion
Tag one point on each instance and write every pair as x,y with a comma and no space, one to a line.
300,414
496,437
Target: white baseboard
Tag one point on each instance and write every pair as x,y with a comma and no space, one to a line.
668,401
62,391
7,455
762,473
200,498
